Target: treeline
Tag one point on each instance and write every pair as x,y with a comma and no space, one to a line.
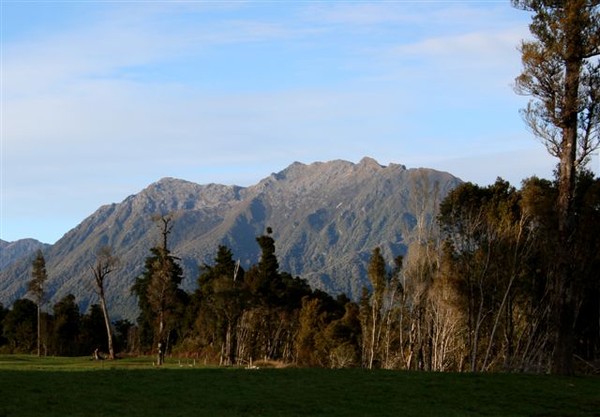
64,331
474,292
234,316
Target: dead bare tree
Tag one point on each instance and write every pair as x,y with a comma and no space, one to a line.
106,262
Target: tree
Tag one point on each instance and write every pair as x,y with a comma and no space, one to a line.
372,305
36,288
67,320
19,326
157,292
587,265
310,323
221,300
343,336
123,332
488,240
539,198
165,276
106,263
92,334
3,313
264,278
268,315
562,76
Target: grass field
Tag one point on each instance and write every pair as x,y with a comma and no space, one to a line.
31,386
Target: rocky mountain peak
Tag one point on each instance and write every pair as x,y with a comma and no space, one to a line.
370,163
326,216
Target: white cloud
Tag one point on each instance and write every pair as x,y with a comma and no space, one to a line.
109,47
475,50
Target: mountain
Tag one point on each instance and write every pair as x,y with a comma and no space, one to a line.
11,252
326,218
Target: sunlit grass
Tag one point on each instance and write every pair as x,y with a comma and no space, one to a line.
58,363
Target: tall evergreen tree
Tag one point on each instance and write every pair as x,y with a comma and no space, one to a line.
264,278
157,292
36,288
562,75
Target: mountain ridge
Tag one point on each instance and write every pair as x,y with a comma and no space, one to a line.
11,252
327,217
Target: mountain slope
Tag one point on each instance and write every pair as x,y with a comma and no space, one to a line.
326,217
11,252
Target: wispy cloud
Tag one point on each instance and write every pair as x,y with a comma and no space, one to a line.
420,17
478,50
228,92
115,45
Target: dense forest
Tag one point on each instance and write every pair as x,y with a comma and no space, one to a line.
473,293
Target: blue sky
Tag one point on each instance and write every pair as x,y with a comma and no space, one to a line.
102,98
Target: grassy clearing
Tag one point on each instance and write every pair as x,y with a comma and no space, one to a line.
80,387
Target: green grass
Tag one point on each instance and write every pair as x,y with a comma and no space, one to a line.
63,387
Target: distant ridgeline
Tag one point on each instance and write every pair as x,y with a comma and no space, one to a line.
326,220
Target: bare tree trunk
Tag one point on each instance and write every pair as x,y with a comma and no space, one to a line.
105,264
564,333
39,331
388,336
111,350
505,305
495,327
227,351
161,345
401,333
